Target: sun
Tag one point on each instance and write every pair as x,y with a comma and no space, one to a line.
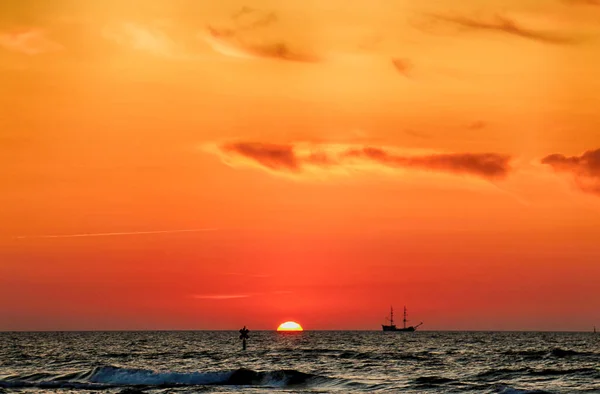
290,326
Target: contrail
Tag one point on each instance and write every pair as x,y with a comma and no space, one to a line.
116,234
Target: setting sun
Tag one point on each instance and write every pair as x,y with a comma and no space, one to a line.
289,326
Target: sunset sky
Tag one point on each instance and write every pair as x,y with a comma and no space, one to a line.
326,159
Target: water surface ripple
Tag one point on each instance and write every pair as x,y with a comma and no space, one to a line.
307,362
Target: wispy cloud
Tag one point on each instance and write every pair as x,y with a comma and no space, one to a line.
236,41
477,125
504,24
298,158
402,65
30,41
247,18
250,275
583,2
234,47
220,296
418,134
143,38
115,234
585,168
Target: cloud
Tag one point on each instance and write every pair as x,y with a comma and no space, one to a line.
245,40
486,165
223,42
298,158
250,18
220,296
583,2
585,168
418,134
403,66
477,125
30,41
115,234
247,275
142,38
273,156
505,25
281,50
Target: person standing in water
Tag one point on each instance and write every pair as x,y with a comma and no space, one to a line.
243,336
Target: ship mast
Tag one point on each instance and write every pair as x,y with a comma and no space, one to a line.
391,316
404,320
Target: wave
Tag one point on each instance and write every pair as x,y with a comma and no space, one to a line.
558,352
502,373
510,390
382,356
110,376
130,390
554,372
537,354
433,380
553,353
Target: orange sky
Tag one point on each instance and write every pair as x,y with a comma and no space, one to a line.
340,156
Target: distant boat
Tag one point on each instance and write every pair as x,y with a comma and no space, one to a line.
392,326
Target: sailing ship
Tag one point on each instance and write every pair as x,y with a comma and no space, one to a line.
392,326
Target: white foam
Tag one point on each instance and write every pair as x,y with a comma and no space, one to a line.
122,376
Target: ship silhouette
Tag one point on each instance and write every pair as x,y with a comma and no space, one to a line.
392,326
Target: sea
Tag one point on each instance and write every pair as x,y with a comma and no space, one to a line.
299,362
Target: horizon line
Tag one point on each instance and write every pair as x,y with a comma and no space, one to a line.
275,330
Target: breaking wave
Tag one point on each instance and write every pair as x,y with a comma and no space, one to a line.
510,390
109,377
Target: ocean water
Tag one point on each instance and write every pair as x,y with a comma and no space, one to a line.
307,362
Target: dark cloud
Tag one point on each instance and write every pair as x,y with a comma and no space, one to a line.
282,51
242,38
273,156
506,25
585,168
487,165
290,158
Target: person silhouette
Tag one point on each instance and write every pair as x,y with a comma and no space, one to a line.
243,336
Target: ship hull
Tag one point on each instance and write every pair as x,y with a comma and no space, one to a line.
394,328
